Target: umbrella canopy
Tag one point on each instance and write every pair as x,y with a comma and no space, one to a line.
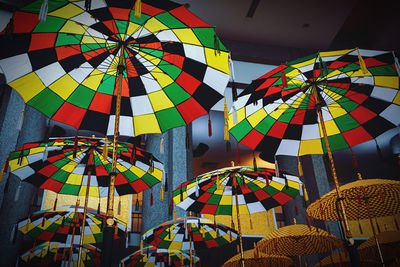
51,253
204,234
258,190
64,224
174,68
343,260
389,243
383,197
61,165
252,260
297,240
150,256
356,89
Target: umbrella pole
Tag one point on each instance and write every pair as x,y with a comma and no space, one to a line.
374,233
239,229
335,178
108,233
73,232
90,166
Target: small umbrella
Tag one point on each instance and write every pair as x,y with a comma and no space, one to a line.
54,253
298,240
254,260
62,165
64,225
389,245
362,199
318,104
149,256
236,190
188,233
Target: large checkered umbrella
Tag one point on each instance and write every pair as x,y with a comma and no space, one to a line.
355,90
61,165
64,225
169,65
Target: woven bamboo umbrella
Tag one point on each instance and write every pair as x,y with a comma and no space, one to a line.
342,259
389,243
254,259
298,240
363,199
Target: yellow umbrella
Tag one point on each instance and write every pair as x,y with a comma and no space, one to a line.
362,199
389,243
251,259
342,259
382,196
297,240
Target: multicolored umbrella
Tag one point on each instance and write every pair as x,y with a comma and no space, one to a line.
252,259
258,190
357,91
54,253
171,66
382,196
61,165
64,225
175,235
150,256
297,240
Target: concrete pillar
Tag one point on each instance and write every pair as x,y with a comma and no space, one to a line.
178,168
16,201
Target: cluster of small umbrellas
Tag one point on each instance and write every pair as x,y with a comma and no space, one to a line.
122,68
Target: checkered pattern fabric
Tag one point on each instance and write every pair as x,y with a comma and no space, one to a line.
362,199
152,256
64,173
57,254
204,234
277,113
258,190
298,239
175,67
59,225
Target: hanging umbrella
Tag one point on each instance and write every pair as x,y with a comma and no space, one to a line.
382,195
258,190
64,225
362,199
175,234
323,102
149,256
52,253
236,190
173,66
253,260
356,91
61,165
298,240
342,259
389,243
